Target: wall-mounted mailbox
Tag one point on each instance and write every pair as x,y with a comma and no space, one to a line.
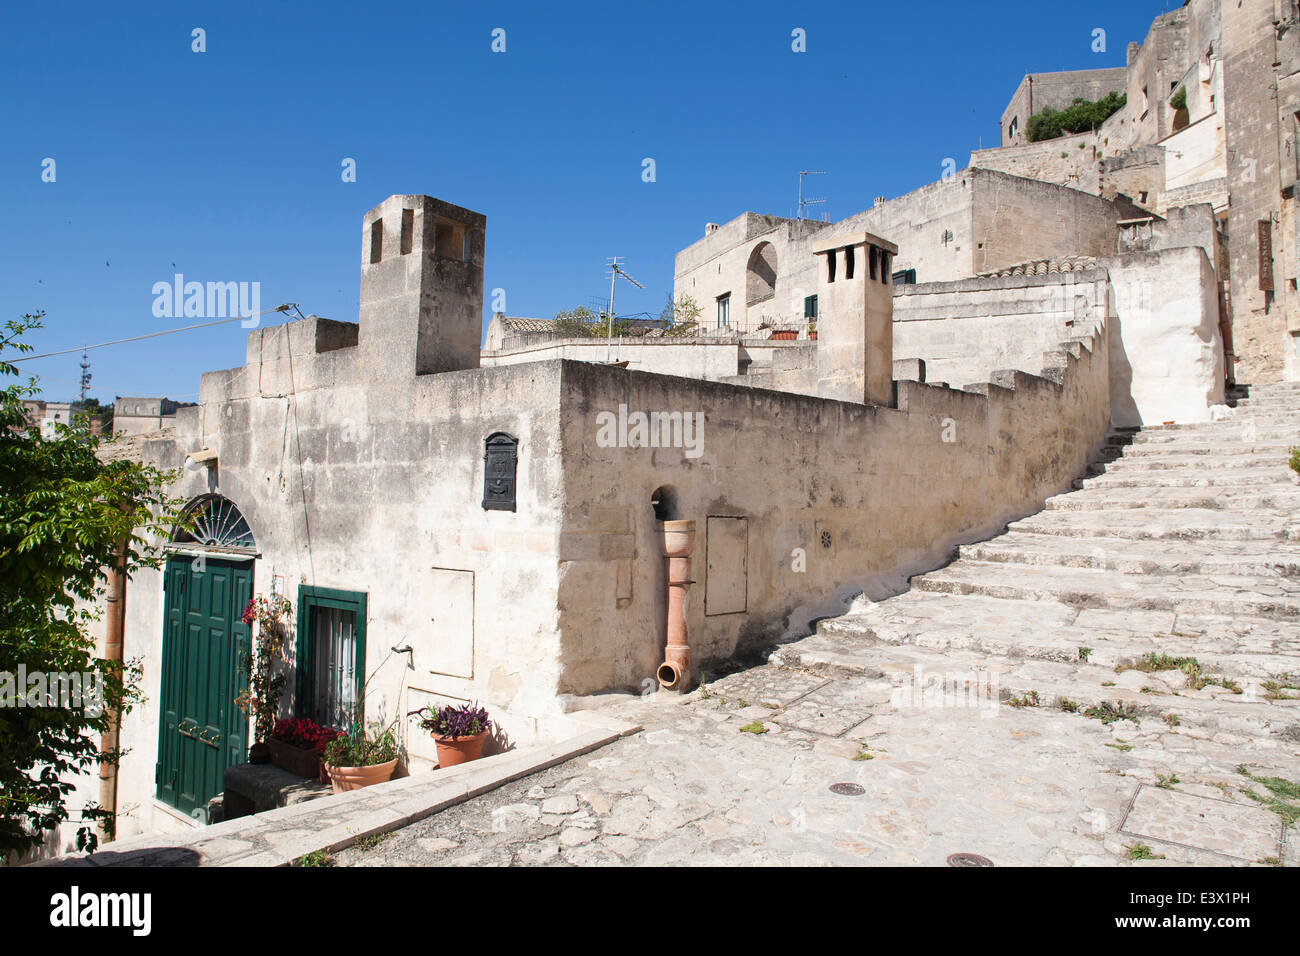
500,465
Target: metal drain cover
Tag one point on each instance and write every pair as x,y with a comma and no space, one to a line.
848,789
969,859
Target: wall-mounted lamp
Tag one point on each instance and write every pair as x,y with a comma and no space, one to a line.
203,458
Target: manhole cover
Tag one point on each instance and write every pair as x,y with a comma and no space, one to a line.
969,859
848,789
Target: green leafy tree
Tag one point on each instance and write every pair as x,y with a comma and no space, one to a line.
582,323
1079,117
685,316
66,518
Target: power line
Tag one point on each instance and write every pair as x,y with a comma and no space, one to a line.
151,335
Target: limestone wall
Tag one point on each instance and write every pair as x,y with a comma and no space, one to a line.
1016,220
796,499
378,490
965,331
1166,360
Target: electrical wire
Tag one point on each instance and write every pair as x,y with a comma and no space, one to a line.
151,335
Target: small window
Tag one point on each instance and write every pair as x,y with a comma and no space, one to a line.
408,230
830,266
449,239
724,311
810,307
331,655
848,262
376,241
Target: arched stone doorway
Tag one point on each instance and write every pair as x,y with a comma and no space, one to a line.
207,582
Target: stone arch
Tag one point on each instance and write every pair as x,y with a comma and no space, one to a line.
760,274
213,521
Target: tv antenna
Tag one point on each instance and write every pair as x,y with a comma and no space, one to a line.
85,376
615,270
808,202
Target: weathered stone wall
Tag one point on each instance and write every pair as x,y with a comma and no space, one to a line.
1016,220
1166,354
1258,323
696,357
1039,91
355,480
867,493
965,331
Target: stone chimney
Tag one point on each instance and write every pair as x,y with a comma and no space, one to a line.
421,286
855,323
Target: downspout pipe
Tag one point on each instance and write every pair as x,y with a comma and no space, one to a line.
115,628
677,539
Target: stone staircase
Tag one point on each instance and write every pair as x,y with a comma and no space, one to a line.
1181,541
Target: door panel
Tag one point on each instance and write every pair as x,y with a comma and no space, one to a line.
201,730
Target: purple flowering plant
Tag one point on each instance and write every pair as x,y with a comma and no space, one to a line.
460,720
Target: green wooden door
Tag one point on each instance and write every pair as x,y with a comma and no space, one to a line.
201,731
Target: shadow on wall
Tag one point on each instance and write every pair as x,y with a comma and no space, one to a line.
1123,408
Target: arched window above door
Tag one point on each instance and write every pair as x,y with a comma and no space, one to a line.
213,521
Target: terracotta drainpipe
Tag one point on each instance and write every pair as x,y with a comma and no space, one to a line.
108,741
678,541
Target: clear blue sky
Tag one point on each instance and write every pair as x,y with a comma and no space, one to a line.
227,163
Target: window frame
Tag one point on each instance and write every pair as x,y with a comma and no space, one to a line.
724,305
311,597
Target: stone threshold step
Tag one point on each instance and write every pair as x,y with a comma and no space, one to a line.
1253,479
1098,554
1284,498
1272,598
280,837
1159,524
1070,645
954,674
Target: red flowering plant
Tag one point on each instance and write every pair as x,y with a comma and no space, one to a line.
263,685
305,734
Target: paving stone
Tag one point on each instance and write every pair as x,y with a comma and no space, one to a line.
1204,823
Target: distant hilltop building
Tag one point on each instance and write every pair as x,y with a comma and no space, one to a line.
138,416
48,415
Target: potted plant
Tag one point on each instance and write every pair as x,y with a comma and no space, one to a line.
263,686
358,759
458,731
297,745
812,331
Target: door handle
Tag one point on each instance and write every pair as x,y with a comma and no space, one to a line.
182,728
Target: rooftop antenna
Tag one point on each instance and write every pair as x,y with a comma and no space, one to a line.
615,270
85,376
808,202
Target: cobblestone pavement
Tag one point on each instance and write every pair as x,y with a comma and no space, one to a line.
1115,680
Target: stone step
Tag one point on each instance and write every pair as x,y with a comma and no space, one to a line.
1280,450
970,678
1228,432
1029,629
1276,498
1274,598
1096,554
1272,476
1173,524
1167,462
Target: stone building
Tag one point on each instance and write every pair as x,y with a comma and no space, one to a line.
456,523
139,416
449,531
1233,145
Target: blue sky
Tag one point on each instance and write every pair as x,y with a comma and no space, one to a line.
227,163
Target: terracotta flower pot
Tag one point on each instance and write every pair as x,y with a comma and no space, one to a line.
455,750
343,779
296,760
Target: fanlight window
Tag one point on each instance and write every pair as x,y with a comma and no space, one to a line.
214,522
